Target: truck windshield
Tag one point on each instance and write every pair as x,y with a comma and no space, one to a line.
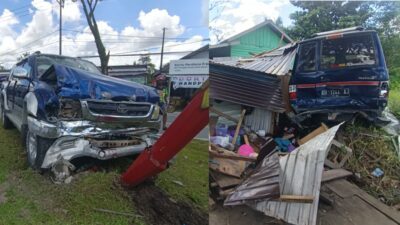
348,51
45,61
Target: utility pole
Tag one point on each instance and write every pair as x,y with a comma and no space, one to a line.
162,48
61,3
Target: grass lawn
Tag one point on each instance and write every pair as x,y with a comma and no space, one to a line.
394,102
190,169
27,197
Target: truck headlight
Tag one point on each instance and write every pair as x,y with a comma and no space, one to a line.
156,113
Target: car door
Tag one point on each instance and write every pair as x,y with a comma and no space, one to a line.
306,76
10,96
21,89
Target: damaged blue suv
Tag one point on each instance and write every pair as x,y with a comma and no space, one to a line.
338,74
66,109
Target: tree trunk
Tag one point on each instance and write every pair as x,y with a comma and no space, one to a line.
89,13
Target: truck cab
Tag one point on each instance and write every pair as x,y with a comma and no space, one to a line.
338,74
66,109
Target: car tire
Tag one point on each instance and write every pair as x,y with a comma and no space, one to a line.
36,148
5,122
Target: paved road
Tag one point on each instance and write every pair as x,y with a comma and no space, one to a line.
203,135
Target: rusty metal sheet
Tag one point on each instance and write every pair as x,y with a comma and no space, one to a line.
246,87
262,184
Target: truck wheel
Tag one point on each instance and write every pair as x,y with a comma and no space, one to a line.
36,148
6,123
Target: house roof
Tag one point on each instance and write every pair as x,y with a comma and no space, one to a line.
201,49
265,23
277,62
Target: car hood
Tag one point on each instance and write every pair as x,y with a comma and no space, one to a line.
80,84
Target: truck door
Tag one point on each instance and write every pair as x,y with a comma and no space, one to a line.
21,89
302,89
9,98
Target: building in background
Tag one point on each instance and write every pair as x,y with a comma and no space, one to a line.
260,38
186,75
135,73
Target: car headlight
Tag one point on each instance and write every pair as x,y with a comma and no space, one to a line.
156,113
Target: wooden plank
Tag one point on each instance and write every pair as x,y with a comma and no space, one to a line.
313,134
346,189
231,156
224,181
238,126
227,166
351,211
296,198
219,113
329,175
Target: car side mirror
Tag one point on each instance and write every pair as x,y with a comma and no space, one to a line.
20,73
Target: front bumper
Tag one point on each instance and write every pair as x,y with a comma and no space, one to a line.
73,140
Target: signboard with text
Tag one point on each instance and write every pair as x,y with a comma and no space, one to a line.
188,66
188,81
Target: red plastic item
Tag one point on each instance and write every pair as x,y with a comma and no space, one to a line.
185,127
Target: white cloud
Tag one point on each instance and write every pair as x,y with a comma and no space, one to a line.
45,15
70,12
236,16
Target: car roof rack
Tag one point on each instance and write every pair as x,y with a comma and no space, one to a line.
338,31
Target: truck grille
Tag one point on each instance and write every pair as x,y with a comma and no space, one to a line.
118,109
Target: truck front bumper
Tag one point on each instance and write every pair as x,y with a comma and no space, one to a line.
73,140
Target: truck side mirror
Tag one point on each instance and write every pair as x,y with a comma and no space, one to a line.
20,73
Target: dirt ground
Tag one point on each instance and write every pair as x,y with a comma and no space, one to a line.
239,215
158,208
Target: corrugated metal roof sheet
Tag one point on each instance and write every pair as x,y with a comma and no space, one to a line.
301,174
246,87
277,62
262,184
260,119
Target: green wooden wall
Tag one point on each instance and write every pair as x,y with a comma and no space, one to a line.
260,40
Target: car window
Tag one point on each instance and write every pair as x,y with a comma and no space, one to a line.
23,64
348,51
27,67
44,62
307,59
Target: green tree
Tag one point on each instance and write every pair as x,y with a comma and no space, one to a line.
321,16
146,60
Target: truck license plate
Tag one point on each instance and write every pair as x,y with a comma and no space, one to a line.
335,92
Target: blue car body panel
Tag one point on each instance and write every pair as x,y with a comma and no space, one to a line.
80,84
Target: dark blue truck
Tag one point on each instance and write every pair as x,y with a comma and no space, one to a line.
338,74
66,109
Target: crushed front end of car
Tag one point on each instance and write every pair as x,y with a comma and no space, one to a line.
91,115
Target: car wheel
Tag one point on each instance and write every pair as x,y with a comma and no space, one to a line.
6,123
36,148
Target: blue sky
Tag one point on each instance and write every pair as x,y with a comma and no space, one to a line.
120,21
236,16
127,26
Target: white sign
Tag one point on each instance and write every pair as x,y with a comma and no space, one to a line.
188,66
187,81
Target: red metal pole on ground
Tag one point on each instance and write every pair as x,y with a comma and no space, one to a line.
185,127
